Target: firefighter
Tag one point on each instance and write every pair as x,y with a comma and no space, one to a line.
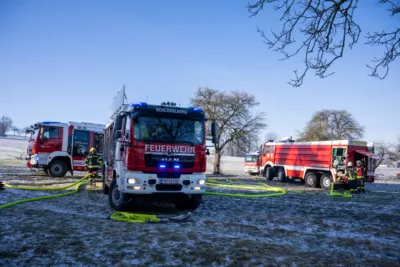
360,175
92,163
351,178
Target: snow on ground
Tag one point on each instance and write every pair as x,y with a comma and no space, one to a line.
296,229
12,147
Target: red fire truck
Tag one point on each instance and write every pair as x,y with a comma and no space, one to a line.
252,163
316,163
58,147
155,152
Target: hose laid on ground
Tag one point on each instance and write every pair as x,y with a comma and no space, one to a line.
214,183
336,194
80,182
146,218
118,216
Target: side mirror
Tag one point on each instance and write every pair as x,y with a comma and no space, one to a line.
118,123
117,134
207,152
214,132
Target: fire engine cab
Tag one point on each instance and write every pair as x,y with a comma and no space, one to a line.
155,152
58,147
318,164
252,163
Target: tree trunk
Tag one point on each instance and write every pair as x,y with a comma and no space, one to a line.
217,161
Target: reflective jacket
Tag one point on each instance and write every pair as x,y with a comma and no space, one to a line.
93,161
360,171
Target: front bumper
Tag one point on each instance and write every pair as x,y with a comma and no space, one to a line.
251,170
36,160
145,183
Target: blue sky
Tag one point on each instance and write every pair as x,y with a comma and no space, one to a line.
66,60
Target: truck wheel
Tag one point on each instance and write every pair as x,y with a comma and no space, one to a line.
117,199
269,173
57,168
325,181
105,190
281,175
190,203
311,179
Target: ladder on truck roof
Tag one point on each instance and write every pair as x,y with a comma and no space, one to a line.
118,104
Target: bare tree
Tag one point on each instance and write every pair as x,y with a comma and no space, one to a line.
327,28
270,136
331,125
232,112
5,125
387,153
15,130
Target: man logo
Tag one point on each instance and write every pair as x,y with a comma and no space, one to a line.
170,159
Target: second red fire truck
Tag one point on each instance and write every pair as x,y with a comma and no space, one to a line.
58,147
316,163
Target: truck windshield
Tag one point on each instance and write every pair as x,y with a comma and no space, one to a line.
34,134
250,158
169,130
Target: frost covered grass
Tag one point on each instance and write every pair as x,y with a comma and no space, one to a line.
291,230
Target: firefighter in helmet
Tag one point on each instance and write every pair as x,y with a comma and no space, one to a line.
360,175
351,178
92,163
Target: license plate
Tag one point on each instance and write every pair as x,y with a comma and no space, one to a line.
169,181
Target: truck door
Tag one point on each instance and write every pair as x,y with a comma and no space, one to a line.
339,158
81,144
50,139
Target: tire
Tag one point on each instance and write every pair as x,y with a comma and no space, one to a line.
281,175
117,199
46,170
105,189
57,168
311,180
190,203
325,181
269,173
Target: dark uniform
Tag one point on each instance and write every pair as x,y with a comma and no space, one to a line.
351,179
360,175
92,163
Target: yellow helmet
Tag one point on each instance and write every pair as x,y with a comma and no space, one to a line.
92,149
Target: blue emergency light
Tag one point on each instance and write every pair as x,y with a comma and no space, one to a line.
162,166
177,166
195,109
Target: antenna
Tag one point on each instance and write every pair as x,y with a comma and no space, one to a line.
179,97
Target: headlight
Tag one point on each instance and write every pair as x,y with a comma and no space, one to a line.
133,181
201,181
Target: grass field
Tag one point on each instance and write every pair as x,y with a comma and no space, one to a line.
291,230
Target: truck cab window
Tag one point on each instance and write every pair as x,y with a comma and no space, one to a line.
267,149
81,143
49,133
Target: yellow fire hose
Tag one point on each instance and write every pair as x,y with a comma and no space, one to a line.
80,182
278,191
337,194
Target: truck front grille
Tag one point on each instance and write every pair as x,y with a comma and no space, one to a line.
169,187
